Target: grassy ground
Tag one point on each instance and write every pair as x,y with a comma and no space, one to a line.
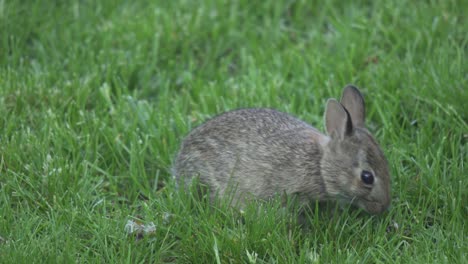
96,97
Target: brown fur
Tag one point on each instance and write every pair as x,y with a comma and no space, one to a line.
263,152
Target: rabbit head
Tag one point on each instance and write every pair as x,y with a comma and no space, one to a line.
354,168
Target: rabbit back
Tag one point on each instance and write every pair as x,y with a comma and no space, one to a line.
258,151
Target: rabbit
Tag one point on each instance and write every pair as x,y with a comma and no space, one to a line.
263,152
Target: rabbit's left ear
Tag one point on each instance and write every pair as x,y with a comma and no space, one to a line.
353,101
337,120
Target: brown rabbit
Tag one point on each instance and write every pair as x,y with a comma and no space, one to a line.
263,152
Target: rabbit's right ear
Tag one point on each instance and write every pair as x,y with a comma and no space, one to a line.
353,102
337,120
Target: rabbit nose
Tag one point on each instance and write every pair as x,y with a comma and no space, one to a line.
375,207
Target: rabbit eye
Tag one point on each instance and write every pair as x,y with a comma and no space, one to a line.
367,177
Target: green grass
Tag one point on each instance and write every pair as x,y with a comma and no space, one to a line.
96,96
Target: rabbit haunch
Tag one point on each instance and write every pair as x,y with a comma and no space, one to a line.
263,152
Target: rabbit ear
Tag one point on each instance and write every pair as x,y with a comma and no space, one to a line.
337,120
353,101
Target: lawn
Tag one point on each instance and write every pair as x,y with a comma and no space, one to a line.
96,97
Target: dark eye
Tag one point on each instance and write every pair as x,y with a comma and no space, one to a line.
367,177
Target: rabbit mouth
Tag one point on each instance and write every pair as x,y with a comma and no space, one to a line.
372,206
366,204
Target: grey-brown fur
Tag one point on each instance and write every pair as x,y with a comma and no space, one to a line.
263,152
